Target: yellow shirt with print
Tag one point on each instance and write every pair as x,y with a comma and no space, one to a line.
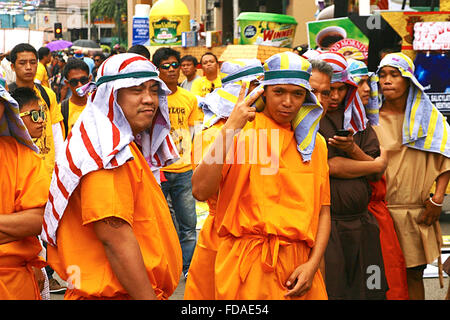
42,75
183,113
202,86
46,143
74,112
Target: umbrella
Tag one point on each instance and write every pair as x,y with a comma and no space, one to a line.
58,45
86,44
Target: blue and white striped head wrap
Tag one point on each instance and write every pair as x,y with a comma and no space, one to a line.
289,68
424,126
11,123
219,103
354,112
357,69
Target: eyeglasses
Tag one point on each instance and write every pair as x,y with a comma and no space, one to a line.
82,80
35,115
166,66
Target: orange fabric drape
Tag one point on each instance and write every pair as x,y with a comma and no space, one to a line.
24,184
131,193
394,262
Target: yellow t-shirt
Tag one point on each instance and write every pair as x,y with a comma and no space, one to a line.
183,113
46,143
202,86
42,75
74,112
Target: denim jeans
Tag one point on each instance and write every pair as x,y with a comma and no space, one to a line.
179,187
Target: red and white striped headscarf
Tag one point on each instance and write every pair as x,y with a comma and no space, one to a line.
354,112
100,138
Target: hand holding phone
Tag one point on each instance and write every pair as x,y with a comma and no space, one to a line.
342,133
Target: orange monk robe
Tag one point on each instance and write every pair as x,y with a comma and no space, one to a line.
24,184
269,213
131,193
200,282
394,261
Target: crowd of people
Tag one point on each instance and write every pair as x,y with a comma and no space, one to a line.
323,180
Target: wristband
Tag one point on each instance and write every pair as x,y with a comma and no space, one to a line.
436,204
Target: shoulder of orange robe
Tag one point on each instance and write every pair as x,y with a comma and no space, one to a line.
357,69
11,123
290,68
354,112
100,138
424,126
219,103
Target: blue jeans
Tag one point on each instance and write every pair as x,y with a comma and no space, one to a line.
179,187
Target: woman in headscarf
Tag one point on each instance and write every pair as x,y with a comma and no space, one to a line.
416,137
107,221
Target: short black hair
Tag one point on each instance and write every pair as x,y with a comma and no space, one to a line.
24,95
21,47
43,52
164,54
140,49
190,58
209,54
101,55
75,64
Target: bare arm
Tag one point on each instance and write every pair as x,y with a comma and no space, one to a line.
20,224
124,256
432,212
207,176
300,280
346,168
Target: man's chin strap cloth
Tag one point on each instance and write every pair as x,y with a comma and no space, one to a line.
290,68
354,112
424,127
100,138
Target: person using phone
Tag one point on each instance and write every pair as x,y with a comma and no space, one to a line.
353,159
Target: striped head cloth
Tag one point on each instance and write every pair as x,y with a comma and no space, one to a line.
311,54
357,69
11,123
424,126
100,138
289,68
219,103
354,113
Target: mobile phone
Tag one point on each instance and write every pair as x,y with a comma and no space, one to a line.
342,133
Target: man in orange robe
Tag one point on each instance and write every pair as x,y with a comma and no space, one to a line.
217,106
107,221
273,213
23,193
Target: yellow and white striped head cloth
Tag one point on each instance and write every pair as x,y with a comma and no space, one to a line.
424,126
357,69
219,103
289,68
11,123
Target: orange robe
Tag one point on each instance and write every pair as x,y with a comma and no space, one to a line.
200,282
268,208
24,184
394,262
131,193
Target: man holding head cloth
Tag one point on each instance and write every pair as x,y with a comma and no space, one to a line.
416,137
23,193
353,159
394,261
217,107
274,220
107,221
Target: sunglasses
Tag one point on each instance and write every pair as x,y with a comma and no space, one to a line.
35,115
166,66
82,80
